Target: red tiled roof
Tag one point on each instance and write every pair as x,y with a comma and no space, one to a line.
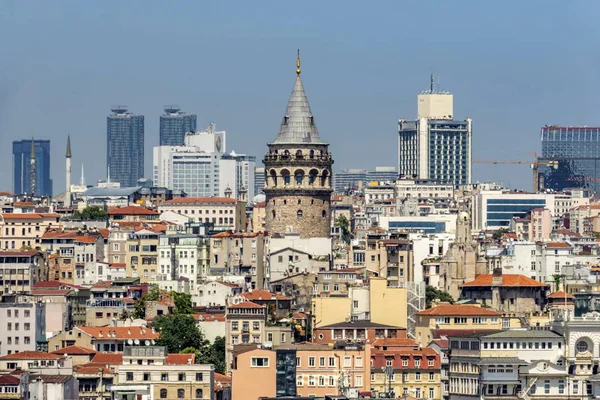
188,200
117,265
53,285
132,210
560,295
108,358
299,315
6,194
104,232
443,343
394,342
120,332
19,253
9,380
23,204
91,369
180,359
31,355
50,215
558,245
86,239
458,310
438,333
507,280
56,234
246,304
21,216
75,351
258,294
209,317
260,204
101,284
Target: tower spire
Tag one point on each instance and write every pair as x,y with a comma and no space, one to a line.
68,155
298,70
67,197
82,181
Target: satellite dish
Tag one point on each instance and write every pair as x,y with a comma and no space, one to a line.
137,342
130,342
153,341
147,343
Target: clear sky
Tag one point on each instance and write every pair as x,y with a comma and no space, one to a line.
512,66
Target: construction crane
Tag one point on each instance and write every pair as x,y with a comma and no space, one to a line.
535,166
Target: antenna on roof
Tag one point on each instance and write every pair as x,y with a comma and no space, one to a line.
431,83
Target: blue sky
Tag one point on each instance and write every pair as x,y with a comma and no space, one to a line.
512,66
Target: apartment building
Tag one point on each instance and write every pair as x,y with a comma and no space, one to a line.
245,324
259,213
444,318
390,257
141,255
117,244
362,331
20,270
25,229
149,372
22,325
224,212
304,369
107,338
132,214
183,256
215,293
238,253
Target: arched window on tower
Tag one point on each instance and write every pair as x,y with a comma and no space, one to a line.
286,176
299,215
312,176
274,177
323,214
274,214
324,178
299,175
299,154
286,154
311,154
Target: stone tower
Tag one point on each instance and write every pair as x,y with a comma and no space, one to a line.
298,173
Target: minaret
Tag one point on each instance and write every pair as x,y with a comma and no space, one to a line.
32,168
298,172
82,181
67,199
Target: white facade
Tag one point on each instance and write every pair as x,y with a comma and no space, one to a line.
186,254
361,302
435,105
291,253
214,293
22,321
212,329
428,247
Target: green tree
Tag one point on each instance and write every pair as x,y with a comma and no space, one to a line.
179,332
140,304
217,354
497,235
432,293
344,225
183,303
92,213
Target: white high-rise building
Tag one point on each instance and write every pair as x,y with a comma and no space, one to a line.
201,168
435,146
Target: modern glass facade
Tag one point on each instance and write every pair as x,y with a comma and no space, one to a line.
354,179
501,211
22,167
439,150
197,174
285,373
259,180
418,226
125,147
577,150
174,125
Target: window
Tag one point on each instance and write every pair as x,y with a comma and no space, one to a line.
181,393
417,376
199,376
331,380
255,325
311,361
164,377
561,386
347,361
358,380
581,346
163,393
460,320
358,362
405,362
26,313
331,362
388,362
299,380
430,362
505,323
146,376
129,376
199,393
575,387
181,376
417,363
546,387
311,380
234,326
431,376
321,380
321,361
260,362
431,393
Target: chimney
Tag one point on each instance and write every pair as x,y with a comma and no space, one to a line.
497,277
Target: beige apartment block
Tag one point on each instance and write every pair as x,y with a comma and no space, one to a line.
20,230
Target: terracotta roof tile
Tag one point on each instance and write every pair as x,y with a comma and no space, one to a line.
261,204
258,294
104,232
50,292
558,245
9,380
120,332
56,234
180,359
101,284
246,304
31,355
395,342
19,253
91,369
50,215
21,216
75,351
507,280
108,358
117,265
560,295
200,200
54,285
132,210
23,204
458,310
86,239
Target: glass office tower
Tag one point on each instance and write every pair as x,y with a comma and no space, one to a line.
125,146
174,124
577,150
22,164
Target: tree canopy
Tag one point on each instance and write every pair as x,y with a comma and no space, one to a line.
140,304
432,293
92,213
344,225
183,303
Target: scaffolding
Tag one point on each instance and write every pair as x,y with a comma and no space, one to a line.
415,303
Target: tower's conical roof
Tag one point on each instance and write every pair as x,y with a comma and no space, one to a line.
298,125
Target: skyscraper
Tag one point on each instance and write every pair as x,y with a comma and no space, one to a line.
22,167
435,146
125,146
577,150
174,124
